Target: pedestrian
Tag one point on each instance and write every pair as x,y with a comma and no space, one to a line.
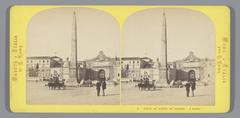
187,88
104,85
192,80
98,87
193,87
102,80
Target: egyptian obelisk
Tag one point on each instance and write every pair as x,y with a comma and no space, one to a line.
73,59
163,70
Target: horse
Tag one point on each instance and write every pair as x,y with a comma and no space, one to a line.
56,84
146,85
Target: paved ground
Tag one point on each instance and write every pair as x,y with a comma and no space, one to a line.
167,96
37,93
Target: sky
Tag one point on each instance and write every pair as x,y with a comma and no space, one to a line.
50,33
187,30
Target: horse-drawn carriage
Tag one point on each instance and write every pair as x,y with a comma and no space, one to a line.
56,84
146,85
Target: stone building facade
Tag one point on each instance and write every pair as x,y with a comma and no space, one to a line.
124,69
204,68
111,66
41,67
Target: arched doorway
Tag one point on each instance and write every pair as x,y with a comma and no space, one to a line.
191,74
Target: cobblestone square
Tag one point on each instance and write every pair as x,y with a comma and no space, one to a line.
131,95
38,93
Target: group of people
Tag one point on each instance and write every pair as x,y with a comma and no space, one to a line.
101,82
191,83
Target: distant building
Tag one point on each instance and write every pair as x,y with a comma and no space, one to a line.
111,66
208,75
39,67
130,67
134,68
204,68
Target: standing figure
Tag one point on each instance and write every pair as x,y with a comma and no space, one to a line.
193,87
104,85
98,85
188,88
101,82
192,80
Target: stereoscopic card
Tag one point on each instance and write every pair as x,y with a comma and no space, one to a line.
119,59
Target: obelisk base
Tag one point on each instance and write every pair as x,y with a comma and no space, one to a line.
162,81
72,81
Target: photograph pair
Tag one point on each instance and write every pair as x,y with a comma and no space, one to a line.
84,56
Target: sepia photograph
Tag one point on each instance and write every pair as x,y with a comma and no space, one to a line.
71,57
84,56
168,58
